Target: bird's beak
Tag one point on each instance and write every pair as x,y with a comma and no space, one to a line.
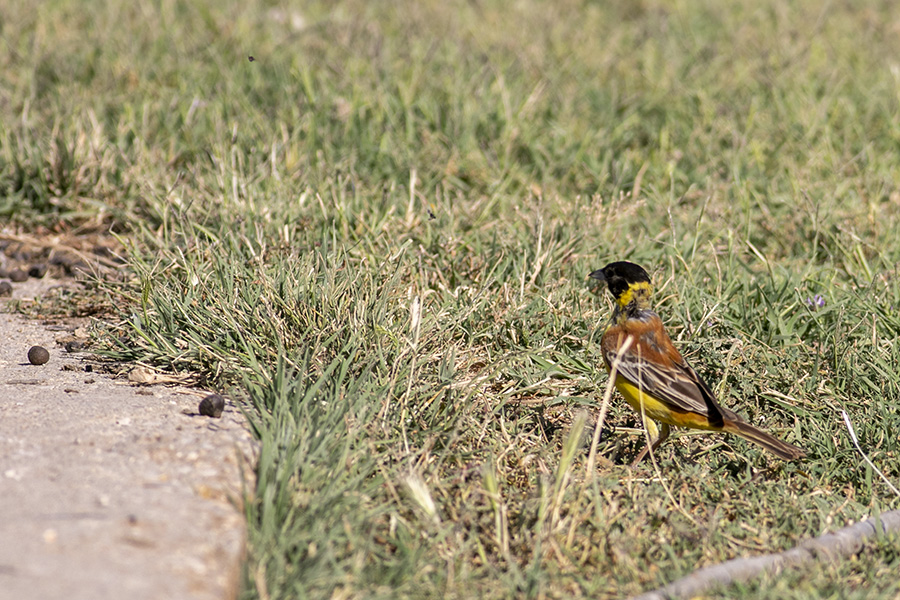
598,274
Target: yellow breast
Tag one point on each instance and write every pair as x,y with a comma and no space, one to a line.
652,407
658,410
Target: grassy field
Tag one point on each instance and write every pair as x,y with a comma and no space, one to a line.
376,233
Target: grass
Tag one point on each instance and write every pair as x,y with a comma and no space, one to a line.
377,234
866,575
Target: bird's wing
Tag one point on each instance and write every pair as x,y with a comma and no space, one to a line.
654,366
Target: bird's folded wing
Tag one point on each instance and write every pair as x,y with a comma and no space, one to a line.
676,384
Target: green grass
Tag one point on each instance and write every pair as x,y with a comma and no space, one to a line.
377,235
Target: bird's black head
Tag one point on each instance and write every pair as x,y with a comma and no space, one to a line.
623,278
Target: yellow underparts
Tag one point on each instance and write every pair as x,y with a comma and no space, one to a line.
658,410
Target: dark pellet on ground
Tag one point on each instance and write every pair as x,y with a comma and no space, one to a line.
38,355
5,288
37,271
18,275
212,406
74,346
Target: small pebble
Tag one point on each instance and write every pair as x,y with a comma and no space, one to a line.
38,271
18,275
5,288
212,406
38,355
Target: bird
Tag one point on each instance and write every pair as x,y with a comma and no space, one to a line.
652,375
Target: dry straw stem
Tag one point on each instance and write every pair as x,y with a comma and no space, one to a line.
855,441
828,547
604,407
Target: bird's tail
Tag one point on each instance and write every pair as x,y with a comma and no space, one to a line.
771,443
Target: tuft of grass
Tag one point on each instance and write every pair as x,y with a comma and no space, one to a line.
377,234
